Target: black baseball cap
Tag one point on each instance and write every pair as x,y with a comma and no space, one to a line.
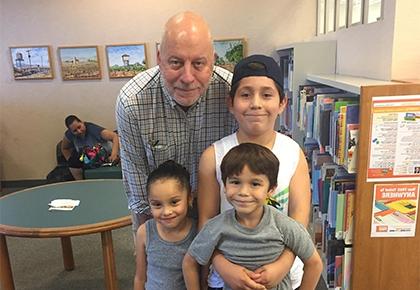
257,65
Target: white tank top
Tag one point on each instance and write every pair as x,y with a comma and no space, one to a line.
287,151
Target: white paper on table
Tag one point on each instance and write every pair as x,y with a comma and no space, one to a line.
63,204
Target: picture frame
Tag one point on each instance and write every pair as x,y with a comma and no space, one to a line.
31,62
126,60
79,63
229,52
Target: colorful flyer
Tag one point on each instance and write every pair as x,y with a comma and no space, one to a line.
394,211
394,141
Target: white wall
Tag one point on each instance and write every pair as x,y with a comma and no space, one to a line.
406,52
32,112
366,50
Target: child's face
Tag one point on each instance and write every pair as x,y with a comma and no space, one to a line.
256,105
247,192
169,202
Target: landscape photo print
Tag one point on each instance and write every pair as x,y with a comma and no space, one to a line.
79,63
31,62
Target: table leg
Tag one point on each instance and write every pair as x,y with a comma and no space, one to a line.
6,275
109,261
67,253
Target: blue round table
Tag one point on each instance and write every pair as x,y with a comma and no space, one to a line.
103,207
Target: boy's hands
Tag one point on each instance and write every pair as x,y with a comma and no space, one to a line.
240,278
268,275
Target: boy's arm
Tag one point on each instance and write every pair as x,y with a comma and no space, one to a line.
208,195
300,193
141,264
237,277
191,272
311,272
299,208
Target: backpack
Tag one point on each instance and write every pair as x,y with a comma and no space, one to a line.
61,172
94,157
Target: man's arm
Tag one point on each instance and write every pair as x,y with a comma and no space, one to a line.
141,262
191,272
113,137
133,158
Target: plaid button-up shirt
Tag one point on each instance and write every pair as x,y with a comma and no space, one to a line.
153,128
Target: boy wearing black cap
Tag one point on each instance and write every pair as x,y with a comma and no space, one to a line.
256,99
252,234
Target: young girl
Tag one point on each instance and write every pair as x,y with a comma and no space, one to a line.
256,100
162,242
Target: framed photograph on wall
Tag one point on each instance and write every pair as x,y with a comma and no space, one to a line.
79,63
126,60
229,52
31,62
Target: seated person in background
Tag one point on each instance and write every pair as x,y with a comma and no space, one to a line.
252,234
81,134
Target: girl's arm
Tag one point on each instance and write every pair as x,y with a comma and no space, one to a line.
191,272
141,262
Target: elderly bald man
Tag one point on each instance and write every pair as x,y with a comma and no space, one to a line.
172,111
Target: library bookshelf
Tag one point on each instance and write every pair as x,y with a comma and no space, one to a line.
377,262
296,61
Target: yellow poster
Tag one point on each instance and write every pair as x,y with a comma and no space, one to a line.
394,211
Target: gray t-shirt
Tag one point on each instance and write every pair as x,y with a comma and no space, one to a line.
252,248
164,259
90,139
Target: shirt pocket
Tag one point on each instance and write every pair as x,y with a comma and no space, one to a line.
159,148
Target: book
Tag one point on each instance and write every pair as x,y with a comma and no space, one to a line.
352,140
346,285
334,248
348,216
339,228
338,271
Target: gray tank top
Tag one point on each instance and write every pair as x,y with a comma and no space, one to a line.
164,259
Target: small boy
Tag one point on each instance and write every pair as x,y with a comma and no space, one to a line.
252,234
